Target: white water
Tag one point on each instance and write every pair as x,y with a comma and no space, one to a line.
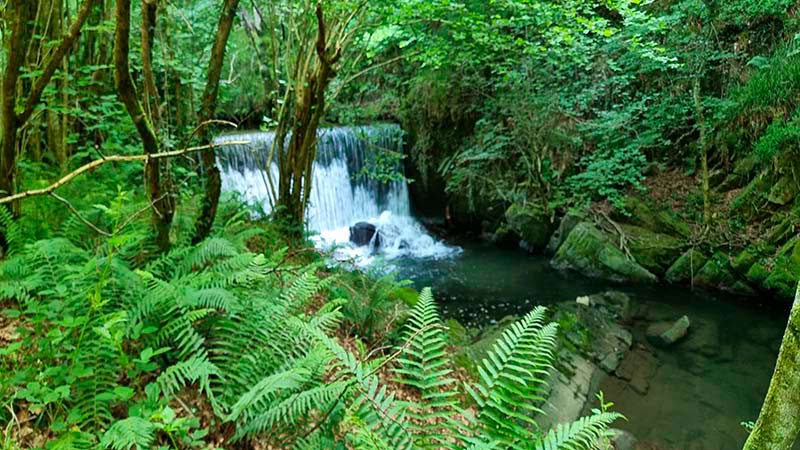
340,196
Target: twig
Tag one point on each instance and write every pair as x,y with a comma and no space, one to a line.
113,158
79,215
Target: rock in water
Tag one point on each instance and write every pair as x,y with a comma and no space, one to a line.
362,233
663,334
622,440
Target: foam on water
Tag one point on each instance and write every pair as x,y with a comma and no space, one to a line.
340,196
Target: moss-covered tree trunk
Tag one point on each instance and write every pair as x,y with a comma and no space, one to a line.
778,424
159,192
213,182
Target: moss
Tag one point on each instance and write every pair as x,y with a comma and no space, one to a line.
716,272
744,260
784,276
457,335
639,213
531,222
588,251
654,251
686,266
783,192
757,274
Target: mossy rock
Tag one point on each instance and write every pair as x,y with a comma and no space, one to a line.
751,202
654,251
470,356
588,251
457,335
786,273
757,274
690,262
716,272
661,221
745,260
532,223
566,225
783,192
743,170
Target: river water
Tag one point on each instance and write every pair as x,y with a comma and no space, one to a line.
702,388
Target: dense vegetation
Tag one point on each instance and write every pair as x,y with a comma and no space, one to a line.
143,308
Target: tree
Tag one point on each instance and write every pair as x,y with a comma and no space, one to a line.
159,186
778,424
307,50
19,14
213,182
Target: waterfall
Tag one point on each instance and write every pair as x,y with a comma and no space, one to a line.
341,194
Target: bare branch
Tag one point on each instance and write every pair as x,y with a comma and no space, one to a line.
113,158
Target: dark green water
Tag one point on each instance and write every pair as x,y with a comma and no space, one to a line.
704,386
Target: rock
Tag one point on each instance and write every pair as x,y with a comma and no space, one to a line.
659,221
664,334
363,232
742,288
654,251
569,393
622,440
715,273
783,192
637,369
744,260
532,223
757,274
583,300
742,171
689,263
786,273
704,339
589,251
566,225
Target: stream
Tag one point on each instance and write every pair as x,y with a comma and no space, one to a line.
703,387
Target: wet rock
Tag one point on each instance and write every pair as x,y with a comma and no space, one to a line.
744,261
589,251
784,276
664,334
638,369
757,274
570,390
622,440
363,232
654,251
704,339
715,273
688,264
566,225
532,223
662,221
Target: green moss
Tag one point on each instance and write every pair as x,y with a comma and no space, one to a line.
689,263
757,274
639,213
716,273
654,251
784,276
457,335
744,260
588,251
531,222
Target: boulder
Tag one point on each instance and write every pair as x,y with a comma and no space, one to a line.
757,274
637,369
363,232
744,260
664,334
716,273
662,221
566,225
688,264
786,273
622,440
587,250
532,223
654,251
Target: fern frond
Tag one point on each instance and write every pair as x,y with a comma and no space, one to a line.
585,433
265,389
196,369
513,380
133,432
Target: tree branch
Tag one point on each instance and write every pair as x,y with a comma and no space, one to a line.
113,158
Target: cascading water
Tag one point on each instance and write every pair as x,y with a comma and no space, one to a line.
342,194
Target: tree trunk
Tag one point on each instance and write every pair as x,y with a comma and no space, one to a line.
160,196
213,182
778,424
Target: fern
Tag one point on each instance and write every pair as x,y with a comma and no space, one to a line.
133,432
584,433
